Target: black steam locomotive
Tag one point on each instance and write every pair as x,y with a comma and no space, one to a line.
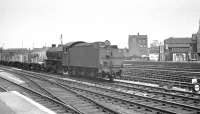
95,60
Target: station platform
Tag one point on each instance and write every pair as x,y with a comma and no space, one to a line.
13,102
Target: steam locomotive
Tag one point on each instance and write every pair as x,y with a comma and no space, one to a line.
93,60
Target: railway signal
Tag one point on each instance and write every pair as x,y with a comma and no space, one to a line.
196,86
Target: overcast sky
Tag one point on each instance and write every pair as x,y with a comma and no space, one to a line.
35,23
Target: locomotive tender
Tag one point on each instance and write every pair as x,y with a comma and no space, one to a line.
94,60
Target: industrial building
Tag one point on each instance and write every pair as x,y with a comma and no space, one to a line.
138,47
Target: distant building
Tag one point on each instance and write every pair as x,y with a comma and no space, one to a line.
178,49
196,45
125,52
15,54
35,55
183,49
154,51
138,45
38,55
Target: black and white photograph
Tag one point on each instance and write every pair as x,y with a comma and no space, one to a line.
99,56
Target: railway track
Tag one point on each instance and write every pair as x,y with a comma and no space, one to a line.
79,101
2,89
187,74
159,82
156,101
161,67
160,75
158,104
68,96
115,102
54,105
188,66
152,89
182,97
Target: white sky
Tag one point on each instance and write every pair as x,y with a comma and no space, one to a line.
40,22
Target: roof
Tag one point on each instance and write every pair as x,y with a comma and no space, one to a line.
179,45
91,44
138,36
173,40
70,44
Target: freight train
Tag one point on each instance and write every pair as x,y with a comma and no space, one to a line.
93,60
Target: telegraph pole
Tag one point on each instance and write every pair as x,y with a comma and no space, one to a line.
61,39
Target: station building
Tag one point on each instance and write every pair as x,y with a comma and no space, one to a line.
138,46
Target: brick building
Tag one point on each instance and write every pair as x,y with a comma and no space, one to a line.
138,45
178,49
183,49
